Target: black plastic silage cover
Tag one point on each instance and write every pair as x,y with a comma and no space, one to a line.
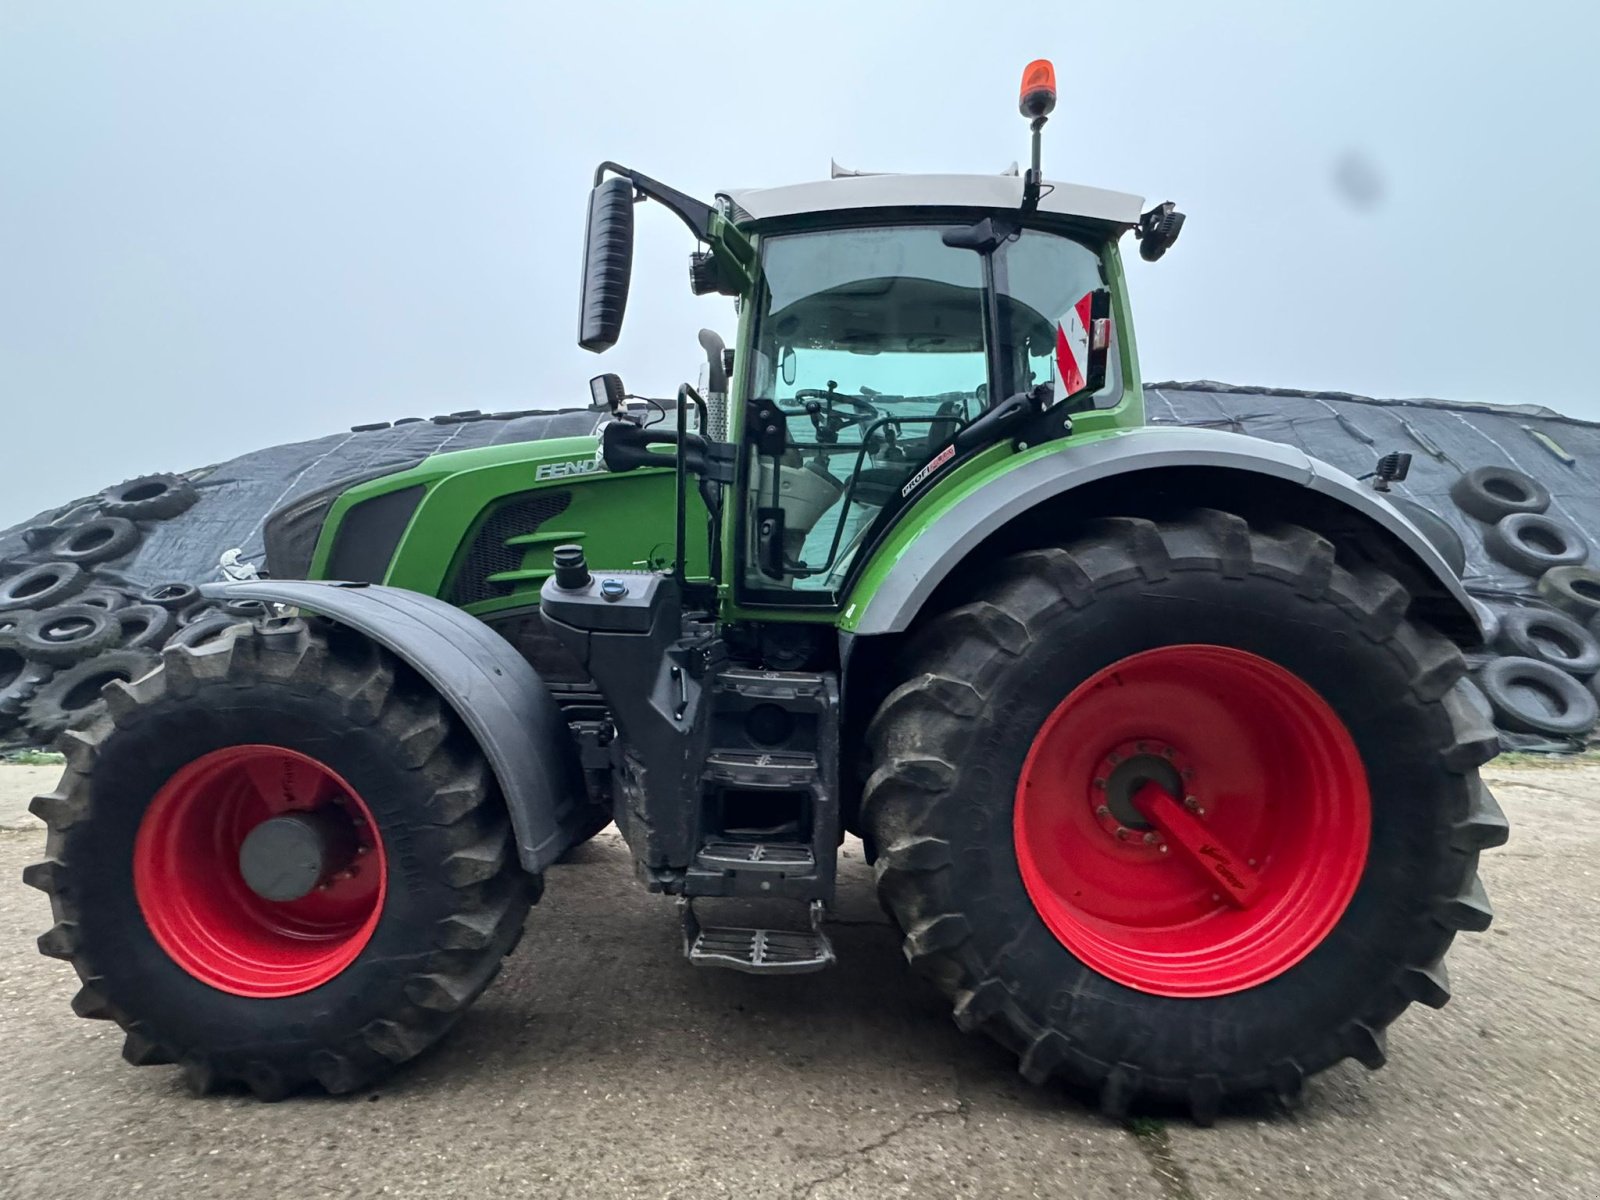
1445,440
1350,432
237,496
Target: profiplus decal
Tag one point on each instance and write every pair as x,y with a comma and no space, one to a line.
934,463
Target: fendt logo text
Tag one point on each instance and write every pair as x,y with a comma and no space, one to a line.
560,470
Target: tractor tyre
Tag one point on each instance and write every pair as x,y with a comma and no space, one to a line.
1549,636
1529,695
208,627
43,586
279,860
1183,812
109,598
1533,543
149,498
1490,493
145,626
73,695
175,596
67,634
96,541
1575,591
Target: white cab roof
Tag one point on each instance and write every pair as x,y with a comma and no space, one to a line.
935,191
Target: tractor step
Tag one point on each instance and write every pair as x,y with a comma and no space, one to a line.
756,951
777,858
760,768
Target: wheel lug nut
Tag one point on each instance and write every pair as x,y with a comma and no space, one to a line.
1102,811
1122,835
1150,839
1142,747
1162,847
1168,752
1100,784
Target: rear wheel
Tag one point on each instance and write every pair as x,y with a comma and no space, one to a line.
1182,811
280,860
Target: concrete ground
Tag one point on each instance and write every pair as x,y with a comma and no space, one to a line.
600,1064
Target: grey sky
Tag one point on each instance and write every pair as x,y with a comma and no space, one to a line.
228,225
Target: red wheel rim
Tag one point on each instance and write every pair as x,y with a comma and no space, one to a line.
1192,820
196,902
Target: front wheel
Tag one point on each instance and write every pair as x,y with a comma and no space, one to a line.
1182,811
280,860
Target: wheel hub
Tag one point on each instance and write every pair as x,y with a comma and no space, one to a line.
260,871
289,856
1125,769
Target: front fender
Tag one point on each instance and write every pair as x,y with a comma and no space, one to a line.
490,686
957,530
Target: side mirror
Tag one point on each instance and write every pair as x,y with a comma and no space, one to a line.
607,264
607,394
1083,346
786,367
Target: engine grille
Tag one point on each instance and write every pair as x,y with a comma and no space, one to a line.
489,555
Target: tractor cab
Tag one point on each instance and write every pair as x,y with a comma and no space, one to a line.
884,353
893,327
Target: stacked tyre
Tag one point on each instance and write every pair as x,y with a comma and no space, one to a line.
70,619
1543,683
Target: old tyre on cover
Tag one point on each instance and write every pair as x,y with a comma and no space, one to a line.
149,498
67,634
1574,590
1551,637
1150,684
1490,493
96,541
1530,696
1437,530
1534,543
164,876
176,595
19,678
108,598
43,586
145,626
208,627
74,695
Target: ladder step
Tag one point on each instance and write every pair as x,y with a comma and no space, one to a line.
757,951
752,768
783,858
789,689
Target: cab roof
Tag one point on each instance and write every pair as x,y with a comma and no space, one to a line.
751,205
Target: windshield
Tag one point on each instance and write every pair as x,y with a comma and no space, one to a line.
874,346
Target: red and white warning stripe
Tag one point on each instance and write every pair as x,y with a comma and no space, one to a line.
1072,347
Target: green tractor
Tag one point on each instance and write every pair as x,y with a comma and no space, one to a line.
1155,738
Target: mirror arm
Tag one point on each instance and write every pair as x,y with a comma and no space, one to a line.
696,214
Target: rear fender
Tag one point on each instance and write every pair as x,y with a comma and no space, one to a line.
499,697
1231,464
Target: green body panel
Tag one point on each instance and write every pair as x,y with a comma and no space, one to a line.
623,521
974,476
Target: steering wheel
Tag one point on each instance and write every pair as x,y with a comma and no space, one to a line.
818,404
